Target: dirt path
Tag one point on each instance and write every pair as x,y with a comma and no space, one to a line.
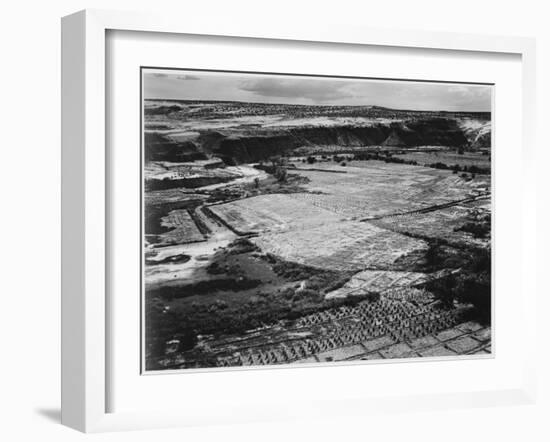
248,175
218,231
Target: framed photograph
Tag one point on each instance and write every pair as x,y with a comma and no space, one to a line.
285,220
264,224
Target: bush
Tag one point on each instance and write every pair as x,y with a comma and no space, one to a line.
438,165
281,174
306,295
291,270
242,245
473,169
478,230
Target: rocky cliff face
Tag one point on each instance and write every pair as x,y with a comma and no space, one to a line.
158,147
255,142
243,148
478,132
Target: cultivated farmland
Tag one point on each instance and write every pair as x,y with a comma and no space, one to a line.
280,234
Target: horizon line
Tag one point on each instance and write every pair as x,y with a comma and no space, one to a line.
322,105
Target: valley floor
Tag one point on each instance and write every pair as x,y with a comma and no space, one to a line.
335,263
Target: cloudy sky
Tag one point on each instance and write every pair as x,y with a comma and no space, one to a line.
189,85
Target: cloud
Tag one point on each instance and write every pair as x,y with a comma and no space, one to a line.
175,77
316,90
187,77
470,96
311,89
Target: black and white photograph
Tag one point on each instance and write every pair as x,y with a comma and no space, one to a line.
291,219
232,221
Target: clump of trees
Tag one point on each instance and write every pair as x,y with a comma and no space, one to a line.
438,165
161,324
476,169
388,157
392,159
342,158
281,174
275,167
293,271
471,285
367,156
473,169
279,169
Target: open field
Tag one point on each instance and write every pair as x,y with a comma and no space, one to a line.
346,245
275,212
183,228
375,237
257,253
365,189
370,189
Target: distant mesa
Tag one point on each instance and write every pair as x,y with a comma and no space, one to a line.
251,132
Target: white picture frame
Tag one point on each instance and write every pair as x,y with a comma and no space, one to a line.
85,312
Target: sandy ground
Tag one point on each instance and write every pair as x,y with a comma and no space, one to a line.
248,175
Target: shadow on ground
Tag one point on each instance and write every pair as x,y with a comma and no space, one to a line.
51,414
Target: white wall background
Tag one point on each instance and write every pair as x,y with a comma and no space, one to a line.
30,220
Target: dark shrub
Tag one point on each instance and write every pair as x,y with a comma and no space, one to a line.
472,285
478,230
